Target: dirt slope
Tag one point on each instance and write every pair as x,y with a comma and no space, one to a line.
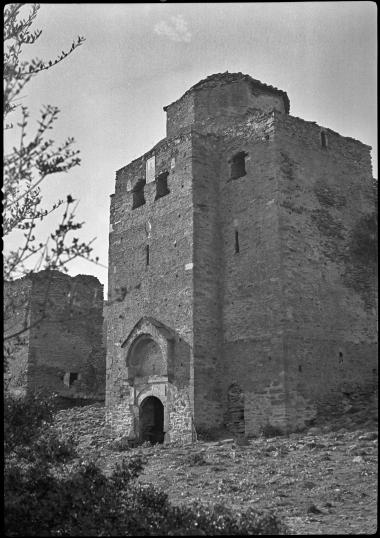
323,481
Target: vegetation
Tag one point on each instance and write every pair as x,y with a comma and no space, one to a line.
31,158
50,492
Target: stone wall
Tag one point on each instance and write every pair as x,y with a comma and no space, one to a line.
16,334
260,258
64,348
218,99
161,289
327,217
208,285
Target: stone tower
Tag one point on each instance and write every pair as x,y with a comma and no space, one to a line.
242,269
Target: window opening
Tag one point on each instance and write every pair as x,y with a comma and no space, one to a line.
237,246
237,165
323,139
235,410
147,254
162,185
69,378
138,195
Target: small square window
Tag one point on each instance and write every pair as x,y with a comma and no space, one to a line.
70,377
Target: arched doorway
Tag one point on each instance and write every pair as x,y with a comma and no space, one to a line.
151,415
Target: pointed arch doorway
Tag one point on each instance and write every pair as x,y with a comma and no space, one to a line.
151,420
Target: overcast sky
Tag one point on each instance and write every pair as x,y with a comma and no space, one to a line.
138,58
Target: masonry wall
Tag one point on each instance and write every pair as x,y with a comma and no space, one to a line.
328,250
16,334
222,103
252,306
211,104
163,289
267,280
66,336
208,331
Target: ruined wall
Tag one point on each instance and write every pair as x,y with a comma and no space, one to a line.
162,290
16,334
66,355
62,350
328,250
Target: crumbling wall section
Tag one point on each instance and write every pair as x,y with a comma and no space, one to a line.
66,349
16,334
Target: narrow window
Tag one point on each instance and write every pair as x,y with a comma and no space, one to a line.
162,185
138,195
323,139
73,377
235,410
237,165
69,378
147,254
237,247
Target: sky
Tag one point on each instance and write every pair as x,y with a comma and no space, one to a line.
137,58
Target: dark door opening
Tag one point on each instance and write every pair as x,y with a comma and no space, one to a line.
152,420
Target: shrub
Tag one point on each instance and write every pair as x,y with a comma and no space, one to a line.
196,458
43,499
24,418
87,503
270,431
212,434
120,445
53,447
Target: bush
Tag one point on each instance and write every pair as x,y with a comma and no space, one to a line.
270,431
196,458
87,503
119,445
46,499
24,418
50,447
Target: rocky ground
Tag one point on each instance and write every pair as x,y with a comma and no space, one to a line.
321,481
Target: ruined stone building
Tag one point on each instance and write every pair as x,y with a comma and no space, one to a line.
59,320
242,267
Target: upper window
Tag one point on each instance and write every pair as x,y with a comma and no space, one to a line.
323,139
162,185
138,195
237,165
